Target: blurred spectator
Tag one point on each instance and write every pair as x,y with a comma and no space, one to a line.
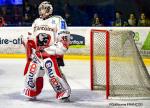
27,20
2,22
17,16
34,11
143,21
27,10
5,14
118,20
96,21
3,10
66,6
132,20
17,21
94,16
68,19
28,14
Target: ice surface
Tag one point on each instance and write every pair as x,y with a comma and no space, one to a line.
78,76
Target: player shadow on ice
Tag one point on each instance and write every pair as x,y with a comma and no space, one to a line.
79,98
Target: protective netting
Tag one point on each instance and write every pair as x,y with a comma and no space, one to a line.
128,74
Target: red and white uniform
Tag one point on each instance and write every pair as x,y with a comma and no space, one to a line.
50,39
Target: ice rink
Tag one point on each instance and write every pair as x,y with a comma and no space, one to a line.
78,75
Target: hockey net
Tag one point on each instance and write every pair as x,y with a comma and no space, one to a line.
116,65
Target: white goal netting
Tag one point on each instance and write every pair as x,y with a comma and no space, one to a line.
128,75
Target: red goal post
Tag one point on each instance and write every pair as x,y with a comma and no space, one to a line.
107,58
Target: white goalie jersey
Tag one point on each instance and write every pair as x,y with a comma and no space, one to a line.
51,35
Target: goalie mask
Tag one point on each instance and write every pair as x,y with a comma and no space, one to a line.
45,9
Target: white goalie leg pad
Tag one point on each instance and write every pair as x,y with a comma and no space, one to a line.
68,91
34,72
58,83
30,76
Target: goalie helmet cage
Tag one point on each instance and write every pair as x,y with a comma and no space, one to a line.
116,65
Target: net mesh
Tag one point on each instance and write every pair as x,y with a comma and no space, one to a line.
128,74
